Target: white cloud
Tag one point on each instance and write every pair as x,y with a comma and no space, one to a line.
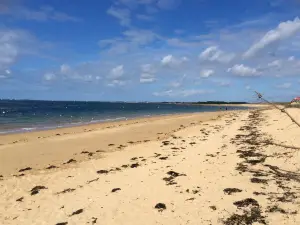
284,85
148,74
291,58
116,83
283,31
243,71
248,87
275,63
175,84
116,72
121,14
140,37
5,74
144,17
147,80
44,14
214,54
64,69
206,73
171,61
9,49
49,76
223,83
182,93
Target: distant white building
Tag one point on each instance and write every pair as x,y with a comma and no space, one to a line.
296,100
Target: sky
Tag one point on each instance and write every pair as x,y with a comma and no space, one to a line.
150,50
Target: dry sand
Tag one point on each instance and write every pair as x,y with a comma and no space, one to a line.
203,169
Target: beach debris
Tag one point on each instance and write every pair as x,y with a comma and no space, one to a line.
77,212
116,189
20,199
51,167
192,143
276,208
246,202
91,181
57,134
111,144
248,217
134,165
70,161
85,152
66,191
102,171
229,191
172,175
257,180
160,206
190,199
37,189
134,158
125,166
62,223
94,220
166,142
163,158
25,169
213,207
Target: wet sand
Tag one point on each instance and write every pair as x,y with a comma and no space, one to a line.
193,169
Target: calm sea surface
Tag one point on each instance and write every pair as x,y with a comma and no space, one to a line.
21,116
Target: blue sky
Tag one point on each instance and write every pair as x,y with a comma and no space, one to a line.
150,50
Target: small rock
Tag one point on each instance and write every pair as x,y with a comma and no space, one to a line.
37,189
20,199
51,167
134,165
116,189
102,172
160,206
213,207
77,212
25,169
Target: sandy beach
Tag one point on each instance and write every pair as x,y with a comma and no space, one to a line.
205,168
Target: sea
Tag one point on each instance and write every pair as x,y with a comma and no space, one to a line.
18,116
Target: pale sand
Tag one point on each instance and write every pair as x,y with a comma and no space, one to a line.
209,156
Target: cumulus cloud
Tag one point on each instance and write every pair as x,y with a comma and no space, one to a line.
148,74
275,63
214,54
284,85
172,61
182,93
291,58
115,83
206,73
5,74
147,80
122,14
243,71
9,48
64,68
283,31
116,72
49,76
